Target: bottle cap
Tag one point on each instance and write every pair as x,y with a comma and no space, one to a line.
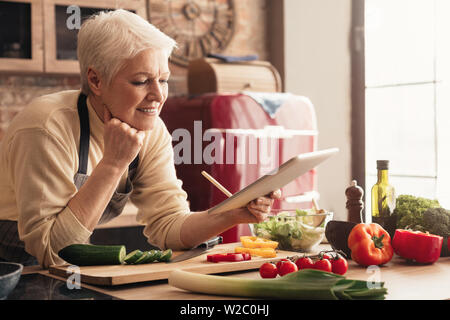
382,164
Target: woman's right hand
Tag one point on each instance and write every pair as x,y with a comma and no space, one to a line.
122,143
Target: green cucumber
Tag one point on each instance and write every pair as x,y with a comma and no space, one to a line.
153,255
133,256
165,256
150,258
144,258
156,254
91,255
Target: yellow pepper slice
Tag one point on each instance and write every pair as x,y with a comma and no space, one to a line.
261,252
257,242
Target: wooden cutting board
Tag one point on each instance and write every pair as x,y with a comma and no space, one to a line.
125,274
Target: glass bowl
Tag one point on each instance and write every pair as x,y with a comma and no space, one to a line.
10,273
294,230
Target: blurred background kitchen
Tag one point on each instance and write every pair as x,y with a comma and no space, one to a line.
376,72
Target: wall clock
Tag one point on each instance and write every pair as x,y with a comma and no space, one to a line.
199,27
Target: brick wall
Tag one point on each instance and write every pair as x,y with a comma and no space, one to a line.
16,91
250,37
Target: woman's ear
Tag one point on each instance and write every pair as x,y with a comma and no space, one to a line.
95,82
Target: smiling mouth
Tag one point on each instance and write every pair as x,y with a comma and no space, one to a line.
149,111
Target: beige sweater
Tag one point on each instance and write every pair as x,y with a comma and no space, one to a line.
38,161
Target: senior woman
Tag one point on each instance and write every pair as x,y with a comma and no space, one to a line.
71,160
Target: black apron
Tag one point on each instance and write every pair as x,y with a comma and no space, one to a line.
13,249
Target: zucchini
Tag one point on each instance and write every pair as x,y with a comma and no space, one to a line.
166,255
133,256
91,255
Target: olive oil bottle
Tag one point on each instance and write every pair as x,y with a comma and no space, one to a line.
383,199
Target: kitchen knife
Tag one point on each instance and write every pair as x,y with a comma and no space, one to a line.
200,249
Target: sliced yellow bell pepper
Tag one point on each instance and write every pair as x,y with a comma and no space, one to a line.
261,252
257,242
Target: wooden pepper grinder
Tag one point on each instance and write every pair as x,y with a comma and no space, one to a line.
354,204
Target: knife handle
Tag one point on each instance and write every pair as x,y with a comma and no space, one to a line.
211,242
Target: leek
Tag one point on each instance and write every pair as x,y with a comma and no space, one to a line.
303,284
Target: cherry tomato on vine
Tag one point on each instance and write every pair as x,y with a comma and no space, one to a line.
268,270
304,263
324,265
286,267
327,256
339,265
279,262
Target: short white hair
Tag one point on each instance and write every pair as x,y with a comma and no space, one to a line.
107,39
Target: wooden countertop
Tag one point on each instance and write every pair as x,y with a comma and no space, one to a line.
403,281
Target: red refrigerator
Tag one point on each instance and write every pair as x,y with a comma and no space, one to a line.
234,139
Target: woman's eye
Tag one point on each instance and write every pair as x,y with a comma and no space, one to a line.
143,83
139,83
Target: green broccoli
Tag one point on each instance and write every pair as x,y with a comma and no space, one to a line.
424,215
437,221
409,211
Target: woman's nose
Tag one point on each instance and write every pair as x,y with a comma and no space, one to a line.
156,92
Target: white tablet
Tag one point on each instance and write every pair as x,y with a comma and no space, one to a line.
276,179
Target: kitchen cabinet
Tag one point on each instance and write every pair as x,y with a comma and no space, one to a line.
41,35
62,19
21,36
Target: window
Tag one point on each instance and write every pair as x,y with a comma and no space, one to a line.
407,95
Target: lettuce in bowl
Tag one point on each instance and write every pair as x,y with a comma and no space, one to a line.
294,231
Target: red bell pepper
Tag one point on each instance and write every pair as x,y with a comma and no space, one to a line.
228,257
370,244
418,246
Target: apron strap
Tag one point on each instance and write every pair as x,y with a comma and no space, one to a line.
134,163
83,155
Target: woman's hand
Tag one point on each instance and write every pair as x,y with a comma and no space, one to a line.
258,209
122,142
